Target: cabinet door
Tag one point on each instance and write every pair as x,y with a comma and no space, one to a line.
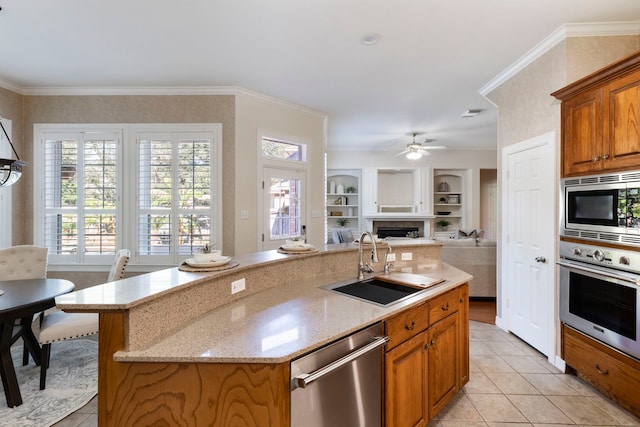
443,362
582,133
621,130
463,335
369,191
406,396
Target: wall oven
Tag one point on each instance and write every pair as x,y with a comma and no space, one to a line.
602,208
600,294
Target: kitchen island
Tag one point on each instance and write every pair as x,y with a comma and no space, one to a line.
177,348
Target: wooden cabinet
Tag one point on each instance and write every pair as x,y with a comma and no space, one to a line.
427,358
600,120
406,385
610,371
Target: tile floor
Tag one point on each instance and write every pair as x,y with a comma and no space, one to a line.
510,383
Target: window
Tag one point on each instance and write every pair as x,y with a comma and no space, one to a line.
283,150
166,211
174,193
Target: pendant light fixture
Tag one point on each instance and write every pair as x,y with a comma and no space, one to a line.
10,170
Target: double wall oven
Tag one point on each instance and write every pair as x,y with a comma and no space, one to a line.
600,258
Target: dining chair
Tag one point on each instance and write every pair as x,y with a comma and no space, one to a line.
23,262
60,326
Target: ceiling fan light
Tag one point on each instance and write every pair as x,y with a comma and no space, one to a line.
414,155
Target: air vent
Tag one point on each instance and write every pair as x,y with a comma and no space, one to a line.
609,237
572,181
634,240
631,176
610,178
589,180
588,235
571,233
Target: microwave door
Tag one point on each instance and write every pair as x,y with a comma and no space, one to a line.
601,208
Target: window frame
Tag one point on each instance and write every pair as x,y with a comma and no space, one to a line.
127,208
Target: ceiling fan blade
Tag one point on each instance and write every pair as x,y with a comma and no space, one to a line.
402,152
434,147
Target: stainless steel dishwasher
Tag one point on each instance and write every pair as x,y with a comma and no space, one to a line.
340,385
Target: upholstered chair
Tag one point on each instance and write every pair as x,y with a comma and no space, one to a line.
23,262
60,326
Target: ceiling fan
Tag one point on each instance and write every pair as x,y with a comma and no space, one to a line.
416,150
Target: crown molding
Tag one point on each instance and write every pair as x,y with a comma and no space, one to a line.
590,29
156,90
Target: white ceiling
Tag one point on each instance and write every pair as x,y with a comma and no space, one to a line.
433,57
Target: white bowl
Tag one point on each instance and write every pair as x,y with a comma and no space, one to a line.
291,243
213,256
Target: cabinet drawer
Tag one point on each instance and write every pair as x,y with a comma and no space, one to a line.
405,325
443,305
611,372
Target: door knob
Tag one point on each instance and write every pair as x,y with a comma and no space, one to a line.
541,259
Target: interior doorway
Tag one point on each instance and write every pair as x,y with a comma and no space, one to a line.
529,233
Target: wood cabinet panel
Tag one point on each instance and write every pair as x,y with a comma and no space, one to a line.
600,116
463,335
622,131
613,373
407,324
443,363
443,305
582,133
406,381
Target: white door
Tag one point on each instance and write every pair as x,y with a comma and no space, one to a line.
283,206
528,255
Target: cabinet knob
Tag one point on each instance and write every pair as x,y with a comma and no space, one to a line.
411,326
601,372
605,156
596,158
445,307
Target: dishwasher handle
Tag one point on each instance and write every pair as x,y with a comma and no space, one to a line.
303,380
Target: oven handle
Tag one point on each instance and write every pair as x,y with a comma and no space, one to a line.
608,273
303,380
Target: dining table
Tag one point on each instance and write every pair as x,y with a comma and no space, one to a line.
20,300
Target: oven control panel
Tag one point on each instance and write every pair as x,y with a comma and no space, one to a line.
622,259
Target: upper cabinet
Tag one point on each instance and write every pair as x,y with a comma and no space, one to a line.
600,120
392,191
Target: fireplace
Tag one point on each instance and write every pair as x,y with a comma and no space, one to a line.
397,228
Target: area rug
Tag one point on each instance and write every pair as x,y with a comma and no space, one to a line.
72,381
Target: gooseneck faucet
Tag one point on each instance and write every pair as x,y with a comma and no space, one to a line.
364,267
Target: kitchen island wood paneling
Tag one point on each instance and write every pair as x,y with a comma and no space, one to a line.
209,356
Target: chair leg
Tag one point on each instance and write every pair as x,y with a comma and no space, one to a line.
25,355
44,364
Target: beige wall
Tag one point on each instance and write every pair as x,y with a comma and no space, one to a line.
241,116
11,106
525,107
253,116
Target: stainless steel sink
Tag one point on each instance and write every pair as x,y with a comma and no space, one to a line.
374,291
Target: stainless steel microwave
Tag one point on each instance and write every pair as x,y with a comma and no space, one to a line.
602,207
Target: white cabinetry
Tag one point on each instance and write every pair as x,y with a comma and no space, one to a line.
343,200
450,201
396,191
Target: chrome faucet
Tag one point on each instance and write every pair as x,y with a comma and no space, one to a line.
364,267
387,263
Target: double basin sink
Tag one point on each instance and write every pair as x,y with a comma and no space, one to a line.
375,291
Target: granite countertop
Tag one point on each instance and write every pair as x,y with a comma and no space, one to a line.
281,323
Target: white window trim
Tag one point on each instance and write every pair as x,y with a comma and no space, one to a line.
128,155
